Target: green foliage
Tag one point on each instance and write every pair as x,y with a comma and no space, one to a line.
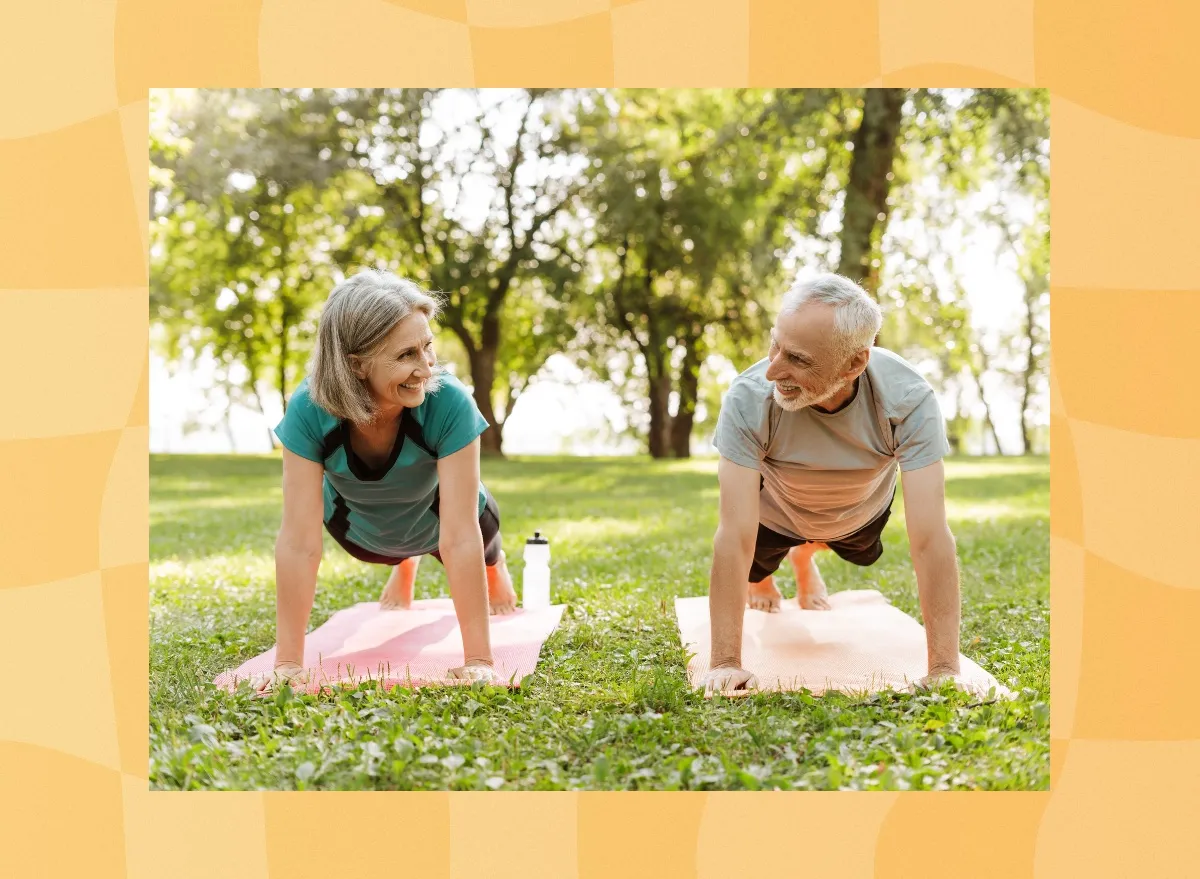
245,218
694,194
644,233
608,706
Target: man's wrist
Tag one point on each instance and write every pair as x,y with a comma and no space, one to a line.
725,662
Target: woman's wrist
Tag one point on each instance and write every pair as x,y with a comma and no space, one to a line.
485,662
287,663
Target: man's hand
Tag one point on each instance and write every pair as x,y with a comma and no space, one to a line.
935,562
728,680
475,672
935,679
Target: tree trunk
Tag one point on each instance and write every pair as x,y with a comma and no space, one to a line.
659,380
483,377
987,410
283,357
685,417
1030,366
866,209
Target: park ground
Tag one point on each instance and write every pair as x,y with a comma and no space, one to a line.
609,706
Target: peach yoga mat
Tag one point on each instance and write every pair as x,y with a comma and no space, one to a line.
862,645
407,647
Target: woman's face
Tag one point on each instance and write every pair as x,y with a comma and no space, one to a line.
401,372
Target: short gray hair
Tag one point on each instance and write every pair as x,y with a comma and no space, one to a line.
355,321
857,317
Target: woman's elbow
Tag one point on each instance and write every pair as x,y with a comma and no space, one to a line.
289,545
453,541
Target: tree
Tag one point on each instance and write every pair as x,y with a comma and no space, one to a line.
692,197
516,245
968,158
867,206
243,217
1021,128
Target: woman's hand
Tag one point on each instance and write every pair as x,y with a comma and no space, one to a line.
291,673
297,554
461,549
476,672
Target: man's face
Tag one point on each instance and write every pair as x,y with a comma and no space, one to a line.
803,366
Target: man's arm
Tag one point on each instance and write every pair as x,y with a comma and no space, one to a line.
733,551
935,561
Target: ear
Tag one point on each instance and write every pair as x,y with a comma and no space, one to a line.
858,363
358,365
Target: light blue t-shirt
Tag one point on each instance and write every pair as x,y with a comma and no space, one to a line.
825,475
389,510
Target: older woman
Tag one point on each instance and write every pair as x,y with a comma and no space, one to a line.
382,446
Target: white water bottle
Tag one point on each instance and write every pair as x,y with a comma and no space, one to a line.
535,579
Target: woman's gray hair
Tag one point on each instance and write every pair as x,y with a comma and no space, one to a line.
355,321
857,317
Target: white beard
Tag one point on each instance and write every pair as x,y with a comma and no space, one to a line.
803,401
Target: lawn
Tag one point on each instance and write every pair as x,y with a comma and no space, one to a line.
609,706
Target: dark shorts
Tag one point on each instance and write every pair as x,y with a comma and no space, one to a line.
863,547
489,527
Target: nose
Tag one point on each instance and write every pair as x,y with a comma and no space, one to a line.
774,367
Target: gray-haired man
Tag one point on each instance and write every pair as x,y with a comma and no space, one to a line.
810,439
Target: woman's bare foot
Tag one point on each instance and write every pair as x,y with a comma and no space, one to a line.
764,596
811,593
398,593
502,598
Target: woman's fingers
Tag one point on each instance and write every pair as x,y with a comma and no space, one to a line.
474,673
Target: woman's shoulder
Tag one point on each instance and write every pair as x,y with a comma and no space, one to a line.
450,394
301,405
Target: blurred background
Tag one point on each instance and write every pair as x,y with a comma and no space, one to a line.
609,258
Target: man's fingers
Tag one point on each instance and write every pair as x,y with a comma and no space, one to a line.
732,683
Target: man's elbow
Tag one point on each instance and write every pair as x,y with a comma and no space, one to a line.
934,542
731,542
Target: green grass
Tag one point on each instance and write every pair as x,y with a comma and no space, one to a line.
609,705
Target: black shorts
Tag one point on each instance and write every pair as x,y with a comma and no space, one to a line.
489,527
863,547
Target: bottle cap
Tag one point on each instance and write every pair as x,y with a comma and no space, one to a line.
537,539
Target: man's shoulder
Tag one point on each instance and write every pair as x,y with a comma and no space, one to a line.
752,381
899,384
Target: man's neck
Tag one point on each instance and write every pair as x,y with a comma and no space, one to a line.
838,400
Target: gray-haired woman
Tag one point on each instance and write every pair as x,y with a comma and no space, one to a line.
382,447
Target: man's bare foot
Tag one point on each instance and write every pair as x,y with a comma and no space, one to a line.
811,593
398,593
502,598
764,596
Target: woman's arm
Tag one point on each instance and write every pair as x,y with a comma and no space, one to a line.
297,555
461,548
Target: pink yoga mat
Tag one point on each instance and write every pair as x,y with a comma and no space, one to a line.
862,645
407,647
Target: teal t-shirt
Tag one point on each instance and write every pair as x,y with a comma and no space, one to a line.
389,510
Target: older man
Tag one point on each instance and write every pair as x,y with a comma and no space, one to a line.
810,439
